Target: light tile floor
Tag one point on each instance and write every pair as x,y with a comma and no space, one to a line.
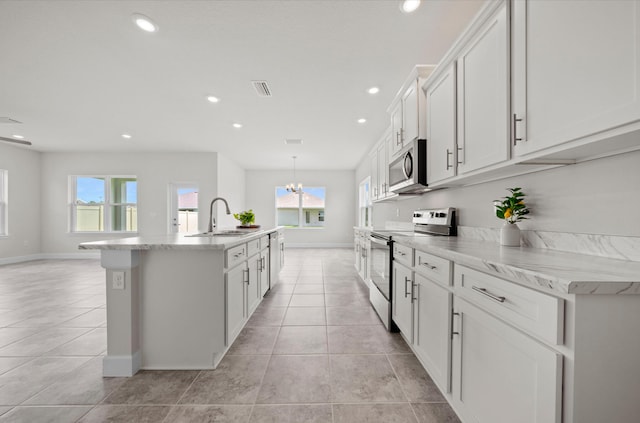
314,351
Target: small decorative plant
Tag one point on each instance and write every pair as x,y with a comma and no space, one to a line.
512,209
246,218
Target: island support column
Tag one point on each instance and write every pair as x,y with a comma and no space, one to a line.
123,313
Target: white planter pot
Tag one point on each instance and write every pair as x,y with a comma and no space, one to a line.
510,235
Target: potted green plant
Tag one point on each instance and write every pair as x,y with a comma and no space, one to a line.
511,209
247,219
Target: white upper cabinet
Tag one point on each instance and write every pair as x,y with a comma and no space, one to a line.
576,72
410,127
441,126
483,96
396,128
407,110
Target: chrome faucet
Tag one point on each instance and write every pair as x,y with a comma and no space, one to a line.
212,221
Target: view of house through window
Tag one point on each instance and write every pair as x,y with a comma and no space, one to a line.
4,194
104,203
187,210
305,210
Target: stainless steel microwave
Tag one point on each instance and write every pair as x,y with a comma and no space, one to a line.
408,172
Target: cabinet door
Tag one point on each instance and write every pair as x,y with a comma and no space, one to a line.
383,170
375,190
254,293
410,127
402,300
441,126
235,305
264,272
483,96
396,129
501,375
571,81
432,329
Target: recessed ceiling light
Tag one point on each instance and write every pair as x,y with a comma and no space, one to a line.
373,90
144,22
237,125
409,6
213,99
18,136
362,120
127,136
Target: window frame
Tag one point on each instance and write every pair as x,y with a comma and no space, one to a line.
107,204
365,208
301,211
4,203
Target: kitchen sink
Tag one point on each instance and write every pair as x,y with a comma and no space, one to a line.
224,232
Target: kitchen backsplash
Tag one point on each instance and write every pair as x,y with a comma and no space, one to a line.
616,247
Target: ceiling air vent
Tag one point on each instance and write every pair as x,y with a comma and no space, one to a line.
8,120
262,88
293,141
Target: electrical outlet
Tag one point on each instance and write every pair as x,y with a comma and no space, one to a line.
118,280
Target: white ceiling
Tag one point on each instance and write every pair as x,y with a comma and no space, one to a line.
78,74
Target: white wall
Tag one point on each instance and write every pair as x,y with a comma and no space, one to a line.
597,197
24,208
339,206
231,186
155,171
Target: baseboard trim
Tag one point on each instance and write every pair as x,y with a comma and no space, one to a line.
121,365
319,245
50,256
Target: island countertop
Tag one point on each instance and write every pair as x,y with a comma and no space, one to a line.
176,241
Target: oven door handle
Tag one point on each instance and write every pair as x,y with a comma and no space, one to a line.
378,239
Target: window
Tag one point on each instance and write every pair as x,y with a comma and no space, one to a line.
364,201
305,210
104,203
4,202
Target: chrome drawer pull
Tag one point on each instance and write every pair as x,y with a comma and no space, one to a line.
425,264
406,280
483,291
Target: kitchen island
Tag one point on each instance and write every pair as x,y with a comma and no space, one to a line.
178,302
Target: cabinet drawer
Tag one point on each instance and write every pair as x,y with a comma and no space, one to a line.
435,268
235,255
253,247
539,314
403,254
264,242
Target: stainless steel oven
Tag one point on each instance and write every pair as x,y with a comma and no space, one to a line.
380,265
433,222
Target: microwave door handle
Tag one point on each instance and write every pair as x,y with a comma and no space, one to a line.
404,168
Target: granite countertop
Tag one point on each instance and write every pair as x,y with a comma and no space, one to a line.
175,242
552,271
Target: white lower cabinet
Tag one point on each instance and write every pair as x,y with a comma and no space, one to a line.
254,293
501,375
236,309
402,299
432,329
265,267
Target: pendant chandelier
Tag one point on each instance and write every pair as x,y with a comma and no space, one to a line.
292,187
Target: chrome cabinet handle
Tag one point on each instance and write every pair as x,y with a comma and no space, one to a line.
453,315
398,139
514,123
425,264
459,155
406,281
263,264
401,135
449,153
246,272
484,291
413,291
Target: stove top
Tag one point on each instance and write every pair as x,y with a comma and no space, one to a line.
428,222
